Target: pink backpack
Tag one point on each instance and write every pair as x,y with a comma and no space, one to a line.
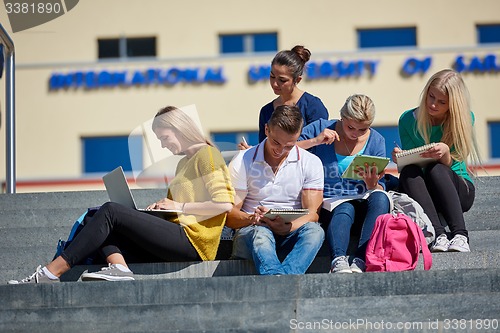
395,245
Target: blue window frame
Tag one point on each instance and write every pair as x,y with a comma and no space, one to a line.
103,154
488,33
248,43
494,129
229,140
387,37
225,141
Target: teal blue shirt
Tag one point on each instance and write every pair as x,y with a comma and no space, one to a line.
410,138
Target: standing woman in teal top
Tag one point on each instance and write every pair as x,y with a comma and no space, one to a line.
444,186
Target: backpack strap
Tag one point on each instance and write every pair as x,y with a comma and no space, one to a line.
425,250
373,258
76,225
423,244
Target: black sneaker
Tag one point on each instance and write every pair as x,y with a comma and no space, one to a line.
110,273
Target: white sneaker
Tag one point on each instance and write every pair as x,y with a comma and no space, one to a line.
340,265
37,277
441,244
459,244
358,265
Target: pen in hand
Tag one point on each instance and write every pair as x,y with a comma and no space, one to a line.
244,140
394,152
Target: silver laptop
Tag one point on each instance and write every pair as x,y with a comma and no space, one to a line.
119,192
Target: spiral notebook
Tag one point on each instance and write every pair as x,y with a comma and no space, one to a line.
287,214
412,156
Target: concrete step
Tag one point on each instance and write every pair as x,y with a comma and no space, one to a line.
22,250
255,303
20,261
482,216
227,296
487,184
440,261
73,199
487,192
478,260
486,187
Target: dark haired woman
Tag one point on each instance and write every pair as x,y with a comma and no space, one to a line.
287,68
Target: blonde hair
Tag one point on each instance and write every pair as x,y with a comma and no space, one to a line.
458,132
358,107
181,123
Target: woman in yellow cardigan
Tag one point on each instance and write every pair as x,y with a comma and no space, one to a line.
201,190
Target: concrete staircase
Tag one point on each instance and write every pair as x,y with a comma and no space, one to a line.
227,296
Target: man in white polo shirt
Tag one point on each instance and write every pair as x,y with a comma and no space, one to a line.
277,174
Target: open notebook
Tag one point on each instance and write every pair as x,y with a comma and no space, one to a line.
119,192
412,156
360,160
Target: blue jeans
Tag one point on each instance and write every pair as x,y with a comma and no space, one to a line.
273,254
241,249
342,218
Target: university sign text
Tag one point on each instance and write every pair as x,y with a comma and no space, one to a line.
148,77
319,70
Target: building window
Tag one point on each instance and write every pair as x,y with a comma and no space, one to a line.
488,33
229,140
494,129
103,154
248,43
126,47
391,135
387,37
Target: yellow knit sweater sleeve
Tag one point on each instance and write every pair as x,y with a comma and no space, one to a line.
203,177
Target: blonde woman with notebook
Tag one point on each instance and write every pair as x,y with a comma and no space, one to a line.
444,186
360,198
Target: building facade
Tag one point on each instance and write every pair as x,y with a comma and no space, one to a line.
90,78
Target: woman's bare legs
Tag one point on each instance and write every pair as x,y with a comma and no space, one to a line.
59,266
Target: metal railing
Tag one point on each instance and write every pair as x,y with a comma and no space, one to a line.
10,118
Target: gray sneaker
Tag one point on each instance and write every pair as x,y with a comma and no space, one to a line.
441,244
37,277
459,244
358,265
110,273
340,265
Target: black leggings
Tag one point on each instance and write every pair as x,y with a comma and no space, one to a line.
439,190
145,237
